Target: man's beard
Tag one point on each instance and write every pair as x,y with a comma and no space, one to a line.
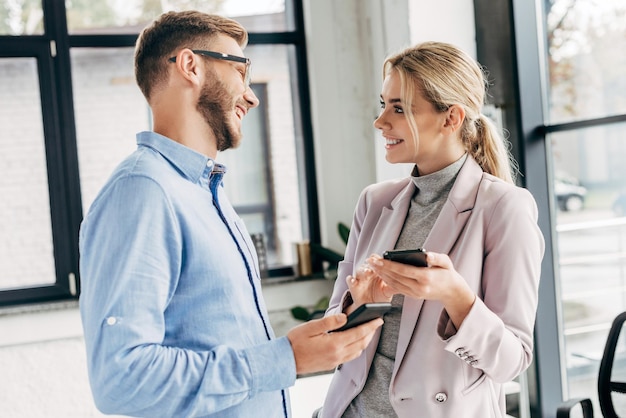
215,105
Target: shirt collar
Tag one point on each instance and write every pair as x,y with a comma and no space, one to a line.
192,164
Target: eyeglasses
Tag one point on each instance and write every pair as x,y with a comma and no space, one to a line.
225,57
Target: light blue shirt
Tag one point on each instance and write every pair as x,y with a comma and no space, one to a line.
174,319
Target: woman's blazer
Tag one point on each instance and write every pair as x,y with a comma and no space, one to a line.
489,230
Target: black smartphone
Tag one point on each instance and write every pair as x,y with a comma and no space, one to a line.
365,313
415,257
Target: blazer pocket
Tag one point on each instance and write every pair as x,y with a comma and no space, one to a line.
486,396
476,383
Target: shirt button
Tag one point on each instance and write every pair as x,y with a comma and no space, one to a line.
111,320
441,397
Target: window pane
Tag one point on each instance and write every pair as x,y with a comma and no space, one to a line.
21,17
110,110
130,16
262,179
26,249
586,63
590,186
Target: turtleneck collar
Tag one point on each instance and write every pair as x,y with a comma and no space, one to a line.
431,187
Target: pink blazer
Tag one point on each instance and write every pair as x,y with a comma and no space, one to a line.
489,229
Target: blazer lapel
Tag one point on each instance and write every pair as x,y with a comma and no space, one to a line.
392,217
384,237
446,230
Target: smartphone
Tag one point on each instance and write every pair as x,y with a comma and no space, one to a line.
365,313
415,257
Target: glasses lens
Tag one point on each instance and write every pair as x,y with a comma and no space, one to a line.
247,78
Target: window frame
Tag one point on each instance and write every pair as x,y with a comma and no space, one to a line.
52,52
40,48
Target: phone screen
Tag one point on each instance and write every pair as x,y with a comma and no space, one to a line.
365,313
415,257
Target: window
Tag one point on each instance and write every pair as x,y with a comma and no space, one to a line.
27,252
561,88
70,109
586,142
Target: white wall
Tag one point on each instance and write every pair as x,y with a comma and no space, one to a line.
444,21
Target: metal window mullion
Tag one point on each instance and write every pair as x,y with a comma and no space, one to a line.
546,373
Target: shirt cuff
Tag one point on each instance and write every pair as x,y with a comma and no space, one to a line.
272,365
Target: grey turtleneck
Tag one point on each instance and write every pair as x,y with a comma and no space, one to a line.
431,192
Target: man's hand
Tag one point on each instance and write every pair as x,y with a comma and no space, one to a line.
316,350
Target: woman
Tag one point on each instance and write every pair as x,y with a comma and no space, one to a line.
463,326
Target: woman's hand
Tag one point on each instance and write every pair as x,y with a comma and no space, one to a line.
439,281
367,287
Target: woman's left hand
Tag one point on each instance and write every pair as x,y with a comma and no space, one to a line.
439,281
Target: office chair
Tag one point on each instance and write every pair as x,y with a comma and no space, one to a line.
606,387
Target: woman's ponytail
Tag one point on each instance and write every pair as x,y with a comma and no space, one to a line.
489,148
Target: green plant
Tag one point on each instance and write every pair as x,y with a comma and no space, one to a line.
303,314
344,232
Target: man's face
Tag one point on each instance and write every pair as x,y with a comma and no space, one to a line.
225,97
216,104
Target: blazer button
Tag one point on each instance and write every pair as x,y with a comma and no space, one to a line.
460,351
441,397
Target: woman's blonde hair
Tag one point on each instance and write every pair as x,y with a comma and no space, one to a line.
447,76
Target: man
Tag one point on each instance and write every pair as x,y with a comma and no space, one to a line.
174,320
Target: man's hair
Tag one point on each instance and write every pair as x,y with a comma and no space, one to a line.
172,31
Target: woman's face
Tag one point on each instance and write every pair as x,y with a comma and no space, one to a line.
426,149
